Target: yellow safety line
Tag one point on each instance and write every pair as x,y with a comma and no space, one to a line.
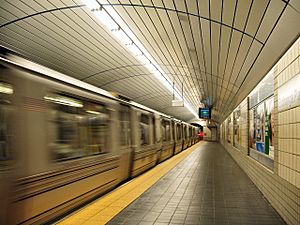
108,206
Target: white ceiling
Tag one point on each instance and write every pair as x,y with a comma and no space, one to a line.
218,49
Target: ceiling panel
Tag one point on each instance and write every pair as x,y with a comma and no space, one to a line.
203,7
216,10
269,20
14,11
180,5
233,50
168,4
240,58
192,6
225,40
218,50
229,8
206,43
251,56
158,3
256,15
295,5
215,47
242,13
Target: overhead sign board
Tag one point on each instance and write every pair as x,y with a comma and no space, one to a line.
177,103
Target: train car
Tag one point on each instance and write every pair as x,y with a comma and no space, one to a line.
64,146
196,136
168,142
179,137
64,142
193,140
186,138
146,143
192,135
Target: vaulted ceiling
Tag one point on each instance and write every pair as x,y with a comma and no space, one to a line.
217,50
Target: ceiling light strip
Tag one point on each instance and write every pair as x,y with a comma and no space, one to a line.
113,22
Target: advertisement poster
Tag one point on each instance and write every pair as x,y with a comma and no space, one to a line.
237,128
251,130
269,127
229,130
289,93
261,127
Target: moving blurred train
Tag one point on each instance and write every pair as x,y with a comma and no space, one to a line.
64,142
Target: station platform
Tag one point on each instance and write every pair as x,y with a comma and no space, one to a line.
201,185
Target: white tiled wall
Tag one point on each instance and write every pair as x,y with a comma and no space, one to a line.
289,120
282,186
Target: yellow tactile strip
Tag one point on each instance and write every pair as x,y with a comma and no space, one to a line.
105,208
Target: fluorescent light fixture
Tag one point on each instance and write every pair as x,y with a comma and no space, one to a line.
111,19
270,73
151,67
6,88
163,80
106,20
134,49
92,4
93,112
122,37
63,100
189,107
288,93
158,75
143,59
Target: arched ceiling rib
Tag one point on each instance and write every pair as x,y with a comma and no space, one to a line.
216,49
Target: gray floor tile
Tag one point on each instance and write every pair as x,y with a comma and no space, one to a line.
207,187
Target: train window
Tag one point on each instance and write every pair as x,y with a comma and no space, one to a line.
154,129
97,126
6,110
144,129
166,130
163,131
125,126
178,132
173,131
77,128
185,132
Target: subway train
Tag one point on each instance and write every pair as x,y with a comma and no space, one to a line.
64,142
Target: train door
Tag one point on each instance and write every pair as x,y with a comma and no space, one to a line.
125,142
173,136
190,136
6,142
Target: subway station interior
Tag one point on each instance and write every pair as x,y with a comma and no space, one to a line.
141,112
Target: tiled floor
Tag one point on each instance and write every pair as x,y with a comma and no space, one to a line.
207,187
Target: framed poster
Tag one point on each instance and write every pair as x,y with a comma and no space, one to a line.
289,94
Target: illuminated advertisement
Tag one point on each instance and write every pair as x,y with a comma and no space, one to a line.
289,93
261,127
237,136
229,130
261,117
